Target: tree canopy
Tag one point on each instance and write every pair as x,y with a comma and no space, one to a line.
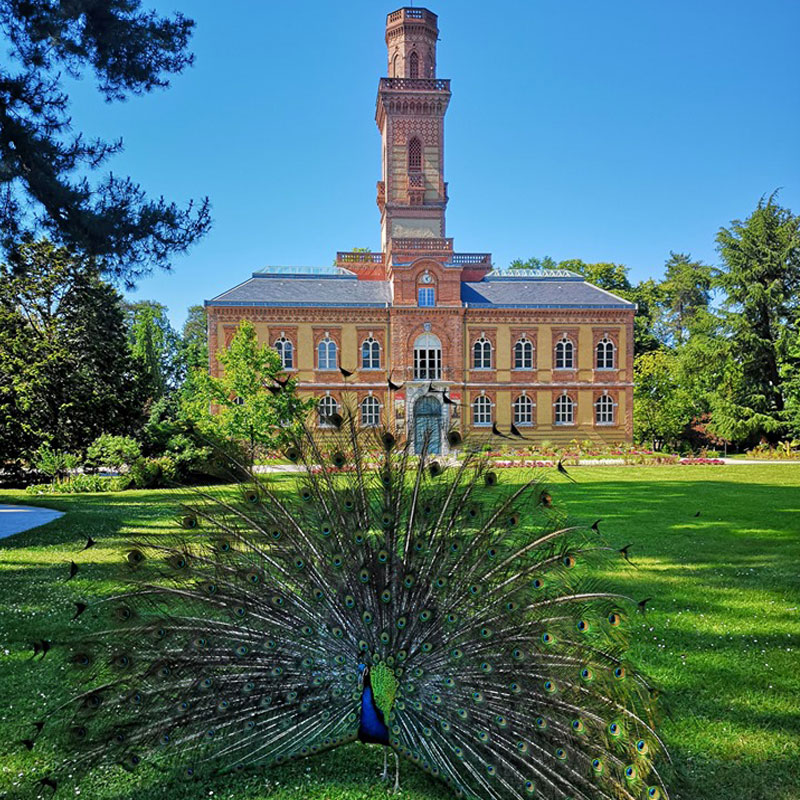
66,373
45,167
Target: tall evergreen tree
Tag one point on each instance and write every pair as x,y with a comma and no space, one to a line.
67,373
761,280
156,347
686,291
45,166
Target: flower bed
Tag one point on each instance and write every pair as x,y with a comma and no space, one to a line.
690,461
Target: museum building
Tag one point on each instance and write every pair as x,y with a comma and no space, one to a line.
468,345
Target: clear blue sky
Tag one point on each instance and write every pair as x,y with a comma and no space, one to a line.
607,131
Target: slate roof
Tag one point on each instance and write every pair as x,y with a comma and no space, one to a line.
264,289
283,290
565,291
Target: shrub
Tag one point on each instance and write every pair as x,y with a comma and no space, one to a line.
54,463
78,484
117,452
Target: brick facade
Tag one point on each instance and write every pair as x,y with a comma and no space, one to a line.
385,295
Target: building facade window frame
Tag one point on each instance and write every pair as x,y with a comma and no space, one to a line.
327,354
413,64
605,354
564,410
326,407
565,354
482,415
482,353
523,354
426,296
605,410
370,354
285,350
427,358
415,154
522,409
370,409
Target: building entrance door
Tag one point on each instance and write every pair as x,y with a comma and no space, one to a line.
427,426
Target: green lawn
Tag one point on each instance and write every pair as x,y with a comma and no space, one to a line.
722,637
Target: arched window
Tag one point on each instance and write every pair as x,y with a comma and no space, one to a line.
482,354
414,154
482,410
370,354
326,354
413,65
285,350
605,354
604,410
565,354
523,410
395,66
326,408
523,354
427,358
370,412
564,410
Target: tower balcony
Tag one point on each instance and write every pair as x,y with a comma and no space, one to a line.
415,84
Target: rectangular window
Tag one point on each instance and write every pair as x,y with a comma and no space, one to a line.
427,364
426,297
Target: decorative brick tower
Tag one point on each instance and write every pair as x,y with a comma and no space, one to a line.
412,102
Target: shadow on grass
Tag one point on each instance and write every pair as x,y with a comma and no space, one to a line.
723,584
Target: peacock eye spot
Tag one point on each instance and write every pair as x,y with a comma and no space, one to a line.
641,746
614,619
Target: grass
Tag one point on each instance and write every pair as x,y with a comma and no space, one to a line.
721,638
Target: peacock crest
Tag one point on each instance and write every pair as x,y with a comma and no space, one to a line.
425,606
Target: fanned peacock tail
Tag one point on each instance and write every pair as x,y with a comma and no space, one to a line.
242,637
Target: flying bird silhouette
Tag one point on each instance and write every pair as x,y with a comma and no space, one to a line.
562,469
497,432
515,431
393,386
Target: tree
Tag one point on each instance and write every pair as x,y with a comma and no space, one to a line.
45,167
66,374
760,276
662,408
605,274
686,291
533,263
194,339
240,404
156,347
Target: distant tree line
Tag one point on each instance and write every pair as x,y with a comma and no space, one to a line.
717,348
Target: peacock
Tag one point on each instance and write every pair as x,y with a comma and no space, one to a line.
421,604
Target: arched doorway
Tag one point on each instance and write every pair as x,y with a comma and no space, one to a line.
427,426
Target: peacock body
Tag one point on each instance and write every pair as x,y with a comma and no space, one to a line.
388,599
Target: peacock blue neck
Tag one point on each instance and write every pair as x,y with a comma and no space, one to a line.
371,729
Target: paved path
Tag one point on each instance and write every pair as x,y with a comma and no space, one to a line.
15,519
